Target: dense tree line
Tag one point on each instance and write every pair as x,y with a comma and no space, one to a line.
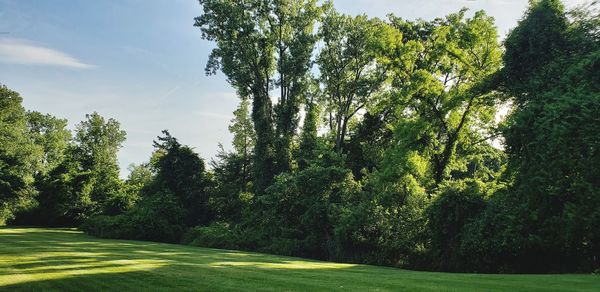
357,140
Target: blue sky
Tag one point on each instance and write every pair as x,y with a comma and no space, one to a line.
142,62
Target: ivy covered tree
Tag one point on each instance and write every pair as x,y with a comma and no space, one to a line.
545,220
262,45
309,140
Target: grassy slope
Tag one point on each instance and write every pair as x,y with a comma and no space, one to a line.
59,259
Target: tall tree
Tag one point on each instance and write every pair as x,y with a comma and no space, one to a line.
97,143
440,104
233,170
447,91
262,45
350,68
537,40
52,135
308,138
244,140
552,140
54,139
18,155
294,29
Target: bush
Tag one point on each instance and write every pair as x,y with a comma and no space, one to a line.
157,218
216,235
458,204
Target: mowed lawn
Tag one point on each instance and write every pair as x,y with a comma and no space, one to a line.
34,259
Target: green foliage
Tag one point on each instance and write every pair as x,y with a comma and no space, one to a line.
263,44
52,135
368,141
63,198
157,218
457,204
18,156
230,196
309,139
181,172
174,198
139,179
244,138
97,143
349,66
440,115
526,54
542,221
75,178
446,94
299,211
216,235
386,223
402,167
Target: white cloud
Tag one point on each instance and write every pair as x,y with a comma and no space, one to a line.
16,51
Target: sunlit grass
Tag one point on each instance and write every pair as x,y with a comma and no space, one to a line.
34,259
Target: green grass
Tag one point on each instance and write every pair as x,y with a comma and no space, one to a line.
65,259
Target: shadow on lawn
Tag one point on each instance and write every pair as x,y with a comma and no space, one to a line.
127,281
68,260
45,259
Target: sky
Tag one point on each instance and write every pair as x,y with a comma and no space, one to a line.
142,63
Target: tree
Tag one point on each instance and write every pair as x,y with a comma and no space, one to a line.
349,66
447,93
232,170
181,172
294,25
458,204
140,176
298,213
244,140
52,135
442,113
18,155
551,140
50,204
537,40
254,40
308,139
232,183
174,200
369,139
97,144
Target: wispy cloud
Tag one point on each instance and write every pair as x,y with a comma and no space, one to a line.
17,51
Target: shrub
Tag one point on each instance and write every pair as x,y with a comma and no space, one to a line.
156,218
216,235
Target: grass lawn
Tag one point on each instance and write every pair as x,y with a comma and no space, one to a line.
65,259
